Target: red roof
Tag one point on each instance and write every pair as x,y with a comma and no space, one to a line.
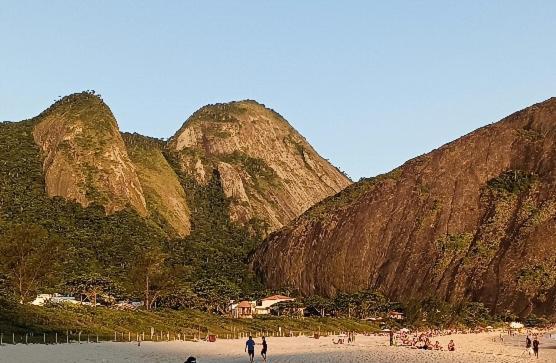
278,297
244,304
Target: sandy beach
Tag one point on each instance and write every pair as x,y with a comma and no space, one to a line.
469,348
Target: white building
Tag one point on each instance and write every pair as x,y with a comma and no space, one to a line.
262,307
248,309
42,299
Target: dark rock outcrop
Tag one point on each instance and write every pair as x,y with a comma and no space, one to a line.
472,220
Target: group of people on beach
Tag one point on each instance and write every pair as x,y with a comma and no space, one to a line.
423,341
250,348
532,346
350,338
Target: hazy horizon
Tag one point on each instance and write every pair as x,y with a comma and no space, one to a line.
369,85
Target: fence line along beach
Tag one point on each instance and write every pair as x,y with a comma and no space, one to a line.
494,346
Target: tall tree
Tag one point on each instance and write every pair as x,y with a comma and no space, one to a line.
150,274
214,294
93,286
30,258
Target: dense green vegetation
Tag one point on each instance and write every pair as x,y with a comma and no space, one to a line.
512,181
110,246
350,194
344,312
450,248
257,168
535,281
103,321
105,258
220,112
97,243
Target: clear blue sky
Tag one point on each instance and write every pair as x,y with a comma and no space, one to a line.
369,83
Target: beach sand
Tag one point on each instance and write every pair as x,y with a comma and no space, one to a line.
469,348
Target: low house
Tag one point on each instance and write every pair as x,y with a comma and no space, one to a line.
242,310
262,307
247,309
43,299
396,315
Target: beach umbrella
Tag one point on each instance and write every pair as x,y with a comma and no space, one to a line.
386,330
342,335
404,330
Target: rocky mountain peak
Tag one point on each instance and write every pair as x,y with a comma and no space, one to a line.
266,167
85,159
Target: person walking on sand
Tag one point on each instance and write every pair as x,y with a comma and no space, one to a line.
528,345
250,348
536,347
263,351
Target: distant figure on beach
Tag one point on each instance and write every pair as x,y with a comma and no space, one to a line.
451,346
536,346
391,337
528,345
250,348
263,351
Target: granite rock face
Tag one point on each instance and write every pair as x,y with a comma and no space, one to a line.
472,220
85,159
267,168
